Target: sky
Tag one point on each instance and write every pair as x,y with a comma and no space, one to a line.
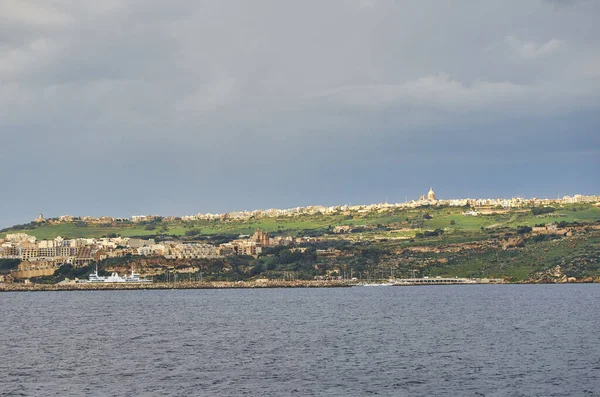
134,107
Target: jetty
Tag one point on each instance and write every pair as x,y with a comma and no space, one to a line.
435,281
398,282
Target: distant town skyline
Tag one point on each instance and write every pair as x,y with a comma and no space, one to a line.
120,108
430,197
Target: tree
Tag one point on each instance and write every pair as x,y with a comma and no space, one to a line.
286,256
524,229
542,210
436,232
9,264
257,269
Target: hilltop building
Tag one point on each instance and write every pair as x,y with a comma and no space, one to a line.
429,197
431,194
261,238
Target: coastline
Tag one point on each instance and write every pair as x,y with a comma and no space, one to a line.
182,285
221,285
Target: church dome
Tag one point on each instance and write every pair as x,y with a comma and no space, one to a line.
431,194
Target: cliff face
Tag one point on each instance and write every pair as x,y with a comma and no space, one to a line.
552,275
556,275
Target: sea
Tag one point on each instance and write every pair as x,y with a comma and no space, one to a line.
469,340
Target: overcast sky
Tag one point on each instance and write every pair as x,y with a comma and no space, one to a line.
123,108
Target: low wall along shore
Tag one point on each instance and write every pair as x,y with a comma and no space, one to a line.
180,285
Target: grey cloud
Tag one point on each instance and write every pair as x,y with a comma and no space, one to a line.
433,100
565,2
33,14
531,50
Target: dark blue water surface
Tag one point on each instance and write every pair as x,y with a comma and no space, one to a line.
496,340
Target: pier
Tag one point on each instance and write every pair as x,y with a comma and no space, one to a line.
446,281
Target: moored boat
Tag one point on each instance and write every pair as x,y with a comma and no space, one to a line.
115,278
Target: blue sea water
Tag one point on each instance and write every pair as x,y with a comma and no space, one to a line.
494,340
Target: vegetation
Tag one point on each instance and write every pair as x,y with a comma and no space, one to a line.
6,265
66,271
542,210
427,241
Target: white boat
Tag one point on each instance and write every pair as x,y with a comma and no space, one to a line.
136,278
115,278
95,278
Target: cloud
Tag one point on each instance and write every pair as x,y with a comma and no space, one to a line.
565,2
531,50
367,3
442,93
32,13
218,93
29,58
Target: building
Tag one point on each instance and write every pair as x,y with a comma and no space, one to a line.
260,238
431,195
20,238
194,251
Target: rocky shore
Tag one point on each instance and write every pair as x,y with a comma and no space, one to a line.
21,287
182,285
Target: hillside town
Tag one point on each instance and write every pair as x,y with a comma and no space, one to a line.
429,199
42,257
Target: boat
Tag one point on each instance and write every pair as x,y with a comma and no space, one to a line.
95,278
136,278
115,278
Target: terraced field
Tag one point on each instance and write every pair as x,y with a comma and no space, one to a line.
449,219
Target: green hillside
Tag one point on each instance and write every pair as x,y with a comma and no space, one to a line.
449,218
430,241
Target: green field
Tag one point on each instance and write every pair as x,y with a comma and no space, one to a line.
298,225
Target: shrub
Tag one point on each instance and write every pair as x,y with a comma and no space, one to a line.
542,210
523,229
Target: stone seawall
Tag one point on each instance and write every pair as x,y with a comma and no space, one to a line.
182,285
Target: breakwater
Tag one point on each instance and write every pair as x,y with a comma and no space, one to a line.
181,285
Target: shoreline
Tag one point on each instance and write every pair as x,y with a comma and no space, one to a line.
218,285
164,286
